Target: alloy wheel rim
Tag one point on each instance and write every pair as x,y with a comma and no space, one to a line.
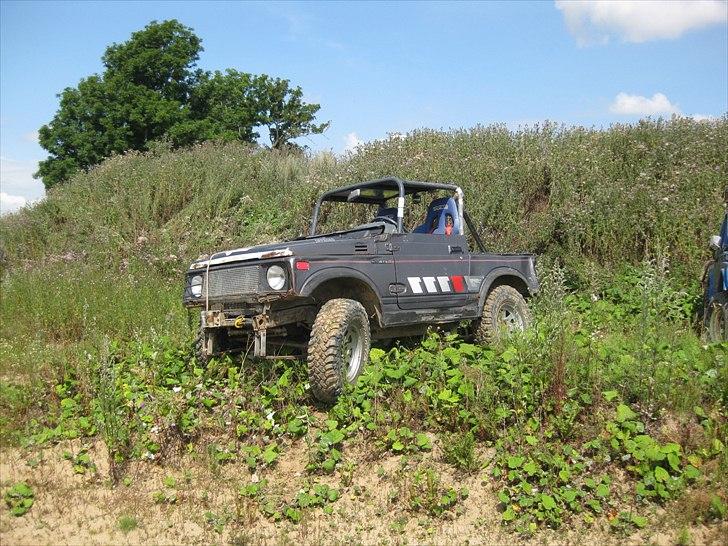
352,348
510,318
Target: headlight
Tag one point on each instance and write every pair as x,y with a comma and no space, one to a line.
276,277
196,286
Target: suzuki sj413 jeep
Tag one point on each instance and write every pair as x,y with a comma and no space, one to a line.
327,295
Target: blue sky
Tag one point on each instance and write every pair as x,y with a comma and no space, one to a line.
379,68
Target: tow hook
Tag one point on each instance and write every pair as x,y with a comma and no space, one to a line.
260,325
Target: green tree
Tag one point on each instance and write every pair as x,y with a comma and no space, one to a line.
282,110
235,105
151,90
222,107
142,94
160,58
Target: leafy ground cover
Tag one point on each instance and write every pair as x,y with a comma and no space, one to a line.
602,414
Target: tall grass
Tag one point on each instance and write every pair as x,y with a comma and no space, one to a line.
586,196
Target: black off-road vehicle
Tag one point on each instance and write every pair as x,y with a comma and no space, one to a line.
328,295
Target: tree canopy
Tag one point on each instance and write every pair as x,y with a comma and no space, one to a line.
150,89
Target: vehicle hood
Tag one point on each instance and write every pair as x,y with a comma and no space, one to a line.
260,252
296,247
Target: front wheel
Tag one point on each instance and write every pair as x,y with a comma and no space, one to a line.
505,311
208,344
717,319
338,348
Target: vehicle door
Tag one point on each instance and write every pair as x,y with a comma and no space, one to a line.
431,270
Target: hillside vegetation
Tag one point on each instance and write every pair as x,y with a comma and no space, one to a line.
607,417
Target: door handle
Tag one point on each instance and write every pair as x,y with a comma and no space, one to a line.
455,249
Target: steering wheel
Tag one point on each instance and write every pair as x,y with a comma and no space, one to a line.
385,219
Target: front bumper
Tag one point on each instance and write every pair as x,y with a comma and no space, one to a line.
263,318
256,323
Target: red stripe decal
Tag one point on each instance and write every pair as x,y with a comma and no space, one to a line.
457,283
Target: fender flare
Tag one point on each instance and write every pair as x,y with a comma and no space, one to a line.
338,272
492,277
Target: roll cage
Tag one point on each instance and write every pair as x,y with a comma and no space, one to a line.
378,192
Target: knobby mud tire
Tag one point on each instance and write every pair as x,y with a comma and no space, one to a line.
326,366
488,329
199,347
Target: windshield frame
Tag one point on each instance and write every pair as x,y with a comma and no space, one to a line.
403,187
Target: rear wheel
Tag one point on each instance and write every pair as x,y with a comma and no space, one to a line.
717,319
338,348
505,311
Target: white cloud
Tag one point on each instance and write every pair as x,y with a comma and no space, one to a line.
596,21
351,142
703,117
638,105
11,203
16,181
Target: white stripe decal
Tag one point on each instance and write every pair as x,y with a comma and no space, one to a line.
430,284
415,284
444,283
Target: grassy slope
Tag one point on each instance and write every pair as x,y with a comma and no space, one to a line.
91,282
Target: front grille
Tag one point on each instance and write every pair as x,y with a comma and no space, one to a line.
234,281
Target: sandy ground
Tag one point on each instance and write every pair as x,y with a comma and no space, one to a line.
86,509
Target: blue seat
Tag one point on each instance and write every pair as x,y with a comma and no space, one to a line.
437,213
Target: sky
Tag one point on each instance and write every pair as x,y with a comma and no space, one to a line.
379,68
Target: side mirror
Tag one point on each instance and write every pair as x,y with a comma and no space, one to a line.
715,243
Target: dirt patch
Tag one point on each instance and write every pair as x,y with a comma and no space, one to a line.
203,506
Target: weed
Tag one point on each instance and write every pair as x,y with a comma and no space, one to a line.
626,522
425,493
325,453
127,524
311,495
403,440
255,456
459,451
218,521
684,538
81,462
19,499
